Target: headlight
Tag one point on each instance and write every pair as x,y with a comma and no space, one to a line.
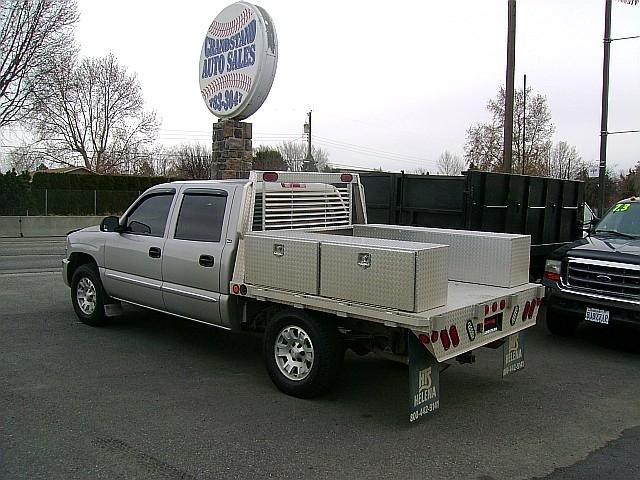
552,270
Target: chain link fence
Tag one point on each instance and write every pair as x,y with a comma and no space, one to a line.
74,202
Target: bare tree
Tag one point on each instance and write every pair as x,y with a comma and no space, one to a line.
192,161
93,108
531,135
32,32
564,161
295,153
449,164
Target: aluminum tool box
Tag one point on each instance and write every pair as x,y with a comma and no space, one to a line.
497,259
283,262
410,276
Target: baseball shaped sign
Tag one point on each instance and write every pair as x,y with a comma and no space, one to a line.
238,61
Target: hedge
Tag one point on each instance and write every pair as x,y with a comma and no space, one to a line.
63,181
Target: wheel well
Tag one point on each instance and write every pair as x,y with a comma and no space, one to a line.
75,260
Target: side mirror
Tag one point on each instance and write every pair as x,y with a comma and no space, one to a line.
110,224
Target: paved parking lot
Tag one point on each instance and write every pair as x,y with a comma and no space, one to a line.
153,397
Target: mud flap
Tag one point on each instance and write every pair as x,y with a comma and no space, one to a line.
513,354
424,380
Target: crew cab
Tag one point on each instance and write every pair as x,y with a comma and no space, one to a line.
291,255
597,278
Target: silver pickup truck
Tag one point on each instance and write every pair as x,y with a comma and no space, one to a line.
291,255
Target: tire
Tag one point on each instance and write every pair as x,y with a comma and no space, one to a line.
303,355
561,324
88,296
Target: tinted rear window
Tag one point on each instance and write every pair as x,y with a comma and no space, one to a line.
201,217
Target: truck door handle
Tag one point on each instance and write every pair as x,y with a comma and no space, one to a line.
154,252
206,260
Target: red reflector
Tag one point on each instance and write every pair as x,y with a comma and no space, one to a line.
494,307
554,277
270,177
453,332
503,303
346,177
532,309
486,309
434,336
444,337
525,311
236,289
423,338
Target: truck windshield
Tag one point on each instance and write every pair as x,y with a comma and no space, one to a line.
623,218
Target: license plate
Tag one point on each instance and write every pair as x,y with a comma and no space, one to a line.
597,316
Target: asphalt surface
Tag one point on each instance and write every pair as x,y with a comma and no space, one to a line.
153,397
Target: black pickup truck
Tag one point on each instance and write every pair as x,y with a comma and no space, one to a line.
597,278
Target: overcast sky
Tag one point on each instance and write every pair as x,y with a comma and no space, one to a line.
391,84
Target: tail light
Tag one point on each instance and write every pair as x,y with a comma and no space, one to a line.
503,303
235,289
434,336
453,333
444,338
424,339
270,176
525,311
346,178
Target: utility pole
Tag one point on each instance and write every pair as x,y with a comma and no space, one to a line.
308,161
524,123
604,133
511,70
605,105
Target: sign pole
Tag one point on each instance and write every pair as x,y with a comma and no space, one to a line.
605,107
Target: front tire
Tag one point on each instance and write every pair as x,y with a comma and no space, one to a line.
88,296
303,354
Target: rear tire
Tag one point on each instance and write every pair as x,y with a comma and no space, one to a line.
303,354
88,296
562,324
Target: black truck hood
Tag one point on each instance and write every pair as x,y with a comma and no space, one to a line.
606,247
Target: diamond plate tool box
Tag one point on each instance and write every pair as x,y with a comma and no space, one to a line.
409,276
497,259
282,262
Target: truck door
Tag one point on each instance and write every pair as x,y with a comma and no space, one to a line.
192,253
133,259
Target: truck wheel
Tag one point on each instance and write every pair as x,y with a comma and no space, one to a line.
303,355
561,324
87,296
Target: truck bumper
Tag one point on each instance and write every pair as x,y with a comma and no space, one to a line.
65,270
572,302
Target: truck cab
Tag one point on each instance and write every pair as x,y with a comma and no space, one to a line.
597,278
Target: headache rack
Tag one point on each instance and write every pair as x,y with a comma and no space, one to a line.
292,200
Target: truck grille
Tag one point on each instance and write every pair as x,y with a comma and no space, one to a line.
604,277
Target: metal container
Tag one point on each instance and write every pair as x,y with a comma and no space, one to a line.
497,259
282,262
403,275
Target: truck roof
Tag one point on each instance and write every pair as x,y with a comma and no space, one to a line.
202,183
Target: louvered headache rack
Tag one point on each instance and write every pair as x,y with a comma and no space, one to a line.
301,200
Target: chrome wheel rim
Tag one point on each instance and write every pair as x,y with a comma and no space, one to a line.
294,353
86,296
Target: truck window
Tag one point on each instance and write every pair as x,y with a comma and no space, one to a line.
201,217
150,216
